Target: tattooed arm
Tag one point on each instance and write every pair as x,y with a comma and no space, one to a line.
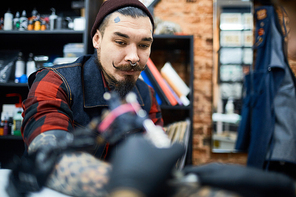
75,173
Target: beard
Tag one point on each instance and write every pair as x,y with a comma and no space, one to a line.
121,87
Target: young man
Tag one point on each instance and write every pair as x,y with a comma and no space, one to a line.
66,97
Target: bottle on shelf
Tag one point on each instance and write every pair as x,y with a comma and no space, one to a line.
2,125
37,23
34,13
8,19
52,19
33,17
19,68
70,23
10,125
30,25
17,115
229,108
31,65
5,125
43,25
16,21
17,122
24,21
1,23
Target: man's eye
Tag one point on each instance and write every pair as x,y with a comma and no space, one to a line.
144,45
120,42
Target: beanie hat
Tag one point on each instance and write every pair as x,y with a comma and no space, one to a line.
110,6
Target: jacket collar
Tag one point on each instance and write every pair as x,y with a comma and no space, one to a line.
93,86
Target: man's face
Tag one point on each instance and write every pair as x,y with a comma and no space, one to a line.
125,40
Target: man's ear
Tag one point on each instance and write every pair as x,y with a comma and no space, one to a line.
97,39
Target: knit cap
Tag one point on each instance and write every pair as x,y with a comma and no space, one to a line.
110,6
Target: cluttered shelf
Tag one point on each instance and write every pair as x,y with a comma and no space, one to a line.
65,31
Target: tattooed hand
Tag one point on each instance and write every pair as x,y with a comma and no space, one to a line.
79,174
75,173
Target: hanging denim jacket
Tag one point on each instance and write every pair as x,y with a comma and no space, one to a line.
265,127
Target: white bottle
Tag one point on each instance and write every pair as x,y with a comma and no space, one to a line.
19,68
31,65
52,19
16,21
24,21
229,106
8,18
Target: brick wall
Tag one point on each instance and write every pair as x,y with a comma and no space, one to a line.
196,18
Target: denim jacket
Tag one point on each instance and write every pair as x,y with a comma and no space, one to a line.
85,89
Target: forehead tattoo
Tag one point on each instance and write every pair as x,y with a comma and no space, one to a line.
117,19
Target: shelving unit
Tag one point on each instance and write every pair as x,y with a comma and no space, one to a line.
235,51
176,49
233,57
49,43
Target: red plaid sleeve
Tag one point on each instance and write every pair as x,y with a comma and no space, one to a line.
46,107
155,112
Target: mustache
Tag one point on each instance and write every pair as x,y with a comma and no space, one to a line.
128,67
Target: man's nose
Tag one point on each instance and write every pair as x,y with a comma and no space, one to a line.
132,54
